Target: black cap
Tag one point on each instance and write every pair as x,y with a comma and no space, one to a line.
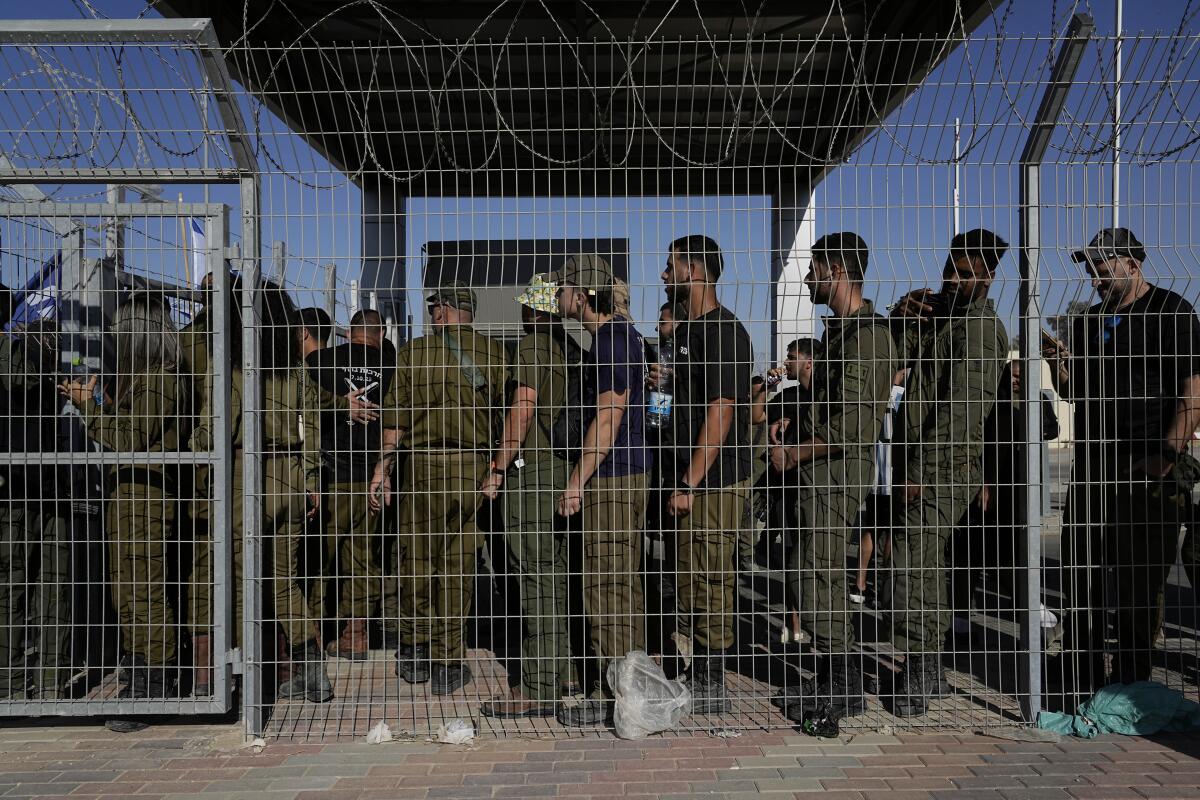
1111,243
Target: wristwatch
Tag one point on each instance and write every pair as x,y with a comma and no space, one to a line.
683,488
495,470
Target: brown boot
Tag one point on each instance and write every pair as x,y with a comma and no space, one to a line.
202,664
352,644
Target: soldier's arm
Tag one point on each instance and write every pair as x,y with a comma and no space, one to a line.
138,427
864,383
201,440
599,438
974,382
516,425
310,430
718,420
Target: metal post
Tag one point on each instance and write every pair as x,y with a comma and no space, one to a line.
1118,66
331,297
217,238
1047,117
114,229
278,272
354,298
957,176
252,549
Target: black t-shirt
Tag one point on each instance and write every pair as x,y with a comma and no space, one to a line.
1126,368
351,450
713,359
791,403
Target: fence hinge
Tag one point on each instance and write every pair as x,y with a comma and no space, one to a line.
234,658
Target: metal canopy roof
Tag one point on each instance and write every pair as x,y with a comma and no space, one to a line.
711,99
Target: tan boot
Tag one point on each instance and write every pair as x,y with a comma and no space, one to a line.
202,664
352,644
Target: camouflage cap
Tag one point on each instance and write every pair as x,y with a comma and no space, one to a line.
456,293
587,271
540,295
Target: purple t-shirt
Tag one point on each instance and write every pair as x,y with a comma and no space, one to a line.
617,363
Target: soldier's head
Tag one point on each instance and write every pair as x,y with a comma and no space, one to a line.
366,327
452,304
314,330
839,261
585,288
971,267
1114,263
539,303
147,339
799,363
669,317
692,262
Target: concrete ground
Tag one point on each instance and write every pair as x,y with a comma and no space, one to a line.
212,761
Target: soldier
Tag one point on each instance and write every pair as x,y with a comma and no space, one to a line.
140,417
1134,373
833,460
447,386
712,459
35,547
955,347
533,477
291,464
366,366
608,482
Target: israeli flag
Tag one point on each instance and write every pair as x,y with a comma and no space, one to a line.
40,297
186,310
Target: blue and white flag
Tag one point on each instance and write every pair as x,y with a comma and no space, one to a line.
40,297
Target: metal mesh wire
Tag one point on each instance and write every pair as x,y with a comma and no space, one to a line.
382,172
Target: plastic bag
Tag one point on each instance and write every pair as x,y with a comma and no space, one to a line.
456,731
647,702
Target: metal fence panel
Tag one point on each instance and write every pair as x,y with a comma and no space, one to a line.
919,546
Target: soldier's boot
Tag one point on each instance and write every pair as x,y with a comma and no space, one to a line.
353,643
836,693
309,679
202,665
590,711
145,682
911,687
449,678
283,658
939,686
412,662
708,683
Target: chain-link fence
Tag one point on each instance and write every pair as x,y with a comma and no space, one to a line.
528,374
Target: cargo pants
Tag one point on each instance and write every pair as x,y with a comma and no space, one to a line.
138,519
351,540
708,540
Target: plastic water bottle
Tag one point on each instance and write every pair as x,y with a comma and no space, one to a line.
658,415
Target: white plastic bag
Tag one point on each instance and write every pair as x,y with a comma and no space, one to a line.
456,731
646,701
379,734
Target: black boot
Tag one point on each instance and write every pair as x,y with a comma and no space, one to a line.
412,662
708,683
836,693
146,682
589,712
449,678
911,687
309,679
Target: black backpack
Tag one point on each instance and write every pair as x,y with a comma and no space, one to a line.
567,430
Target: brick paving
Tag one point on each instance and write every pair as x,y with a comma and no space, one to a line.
212,761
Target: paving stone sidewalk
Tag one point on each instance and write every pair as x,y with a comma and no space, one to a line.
210,761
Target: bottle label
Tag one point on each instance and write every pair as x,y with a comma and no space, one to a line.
660,404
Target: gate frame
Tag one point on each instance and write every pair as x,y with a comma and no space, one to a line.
200,35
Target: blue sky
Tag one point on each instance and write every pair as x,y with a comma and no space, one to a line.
888,192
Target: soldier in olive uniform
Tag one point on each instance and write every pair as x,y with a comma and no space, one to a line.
141,416
532,478
955,347
447,389
291,465
35,547
834,461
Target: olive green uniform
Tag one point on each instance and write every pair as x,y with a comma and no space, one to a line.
536,542
195,347
852,383
450,426
955,363
291,465
140,514
35,566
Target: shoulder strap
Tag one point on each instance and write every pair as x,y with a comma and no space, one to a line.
474,374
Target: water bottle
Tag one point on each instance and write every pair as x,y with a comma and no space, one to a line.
658,415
